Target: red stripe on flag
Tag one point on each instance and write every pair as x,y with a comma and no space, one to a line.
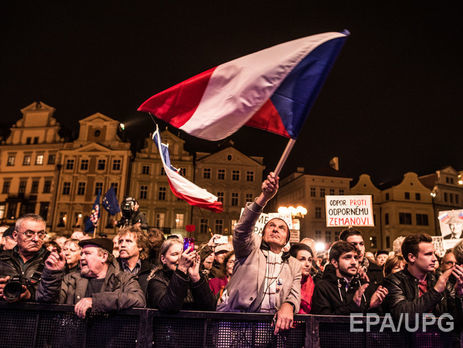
178,103
267,118
201,203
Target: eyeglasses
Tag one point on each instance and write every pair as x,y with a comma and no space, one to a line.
30,234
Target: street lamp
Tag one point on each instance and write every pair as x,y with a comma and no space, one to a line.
297,213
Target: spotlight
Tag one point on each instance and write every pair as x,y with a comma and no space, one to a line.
122,126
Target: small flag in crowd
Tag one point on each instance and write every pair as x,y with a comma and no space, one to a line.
91,223
273,90
180,186
110,202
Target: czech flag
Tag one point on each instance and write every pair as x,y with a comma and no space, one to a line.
273,89
180,186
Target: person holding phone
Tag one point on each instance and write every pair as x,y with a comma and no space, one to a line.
178,283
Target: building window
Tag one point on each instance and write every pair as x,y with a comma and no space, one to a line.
160,219
249,197
221,174
35,186
117,164
43,211
322,192
318,235
203,225
318,212
387,196
28,140
220,197
81,188
373,242
331,192
116,186
422,219
388,242
62,219
451,197
6,186
407,195
418,196
249,176
27,160
101,164
206,173
179,220
22,186
341,192
36,140
10,161
70,164
446,197
234,199
405,218
51,158
143,191
47,186
84,164
98,188
313,192
145,170
457,198
162,193
66,188
39,160
218,226
328,236
235,175
386,218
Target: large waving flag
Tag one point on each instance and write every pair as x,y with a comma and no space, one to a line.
272,89
92,222
181,187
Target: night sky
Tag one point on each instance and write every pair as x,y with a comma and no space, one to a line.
390,105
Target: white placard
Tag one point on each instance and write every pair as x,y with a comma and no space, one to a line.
349,211
264,218
451,223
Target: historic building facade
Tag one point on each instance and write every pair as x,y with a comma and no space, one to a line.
29,164
95,161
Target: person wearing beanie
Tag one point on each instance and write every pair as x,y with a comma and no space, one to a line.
98,287
278,286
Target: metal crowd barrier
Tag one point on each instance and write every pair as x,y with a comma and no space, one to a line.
38,325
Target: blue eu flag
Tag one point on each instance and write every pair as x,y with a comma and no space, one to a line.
94,216
110,202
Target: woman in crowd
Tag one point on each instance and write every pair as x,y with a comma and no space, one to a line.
304,254
394,264
178,284
217,285
71,250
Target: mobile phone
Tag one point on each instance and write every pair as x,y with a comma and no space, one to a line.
188,243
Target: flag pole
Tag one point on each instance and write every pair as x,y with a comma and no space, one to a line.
284,156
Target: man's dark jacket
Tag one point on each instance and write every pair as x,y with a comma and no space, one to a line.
10,265
170,291
404,296
142,276
331,297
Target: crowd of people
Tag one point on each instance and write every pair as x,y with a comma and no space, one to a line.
254,273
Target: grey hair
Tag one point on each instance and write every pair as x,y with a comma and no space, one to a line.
34,217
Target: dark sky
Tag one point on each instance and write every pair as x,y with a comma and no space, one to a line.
391,103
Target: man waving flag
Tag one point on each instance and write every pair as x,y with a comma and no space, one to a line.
180,186
272,89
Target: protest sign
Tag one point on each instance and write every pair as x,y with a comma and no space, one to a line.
451,223
349,211
264,218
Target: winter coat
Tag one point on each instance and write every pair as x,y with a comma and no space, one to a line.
171,291
245,290
330,296
11,265
142,276
120,290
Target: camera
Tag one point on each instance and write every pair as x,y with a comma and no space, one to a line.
14,288
128,211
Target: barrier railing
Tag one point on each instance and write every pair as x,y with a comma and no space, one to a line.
37,325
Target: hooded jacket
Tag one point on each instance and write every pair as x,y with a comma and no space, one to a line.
333,295
120,290
245,290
